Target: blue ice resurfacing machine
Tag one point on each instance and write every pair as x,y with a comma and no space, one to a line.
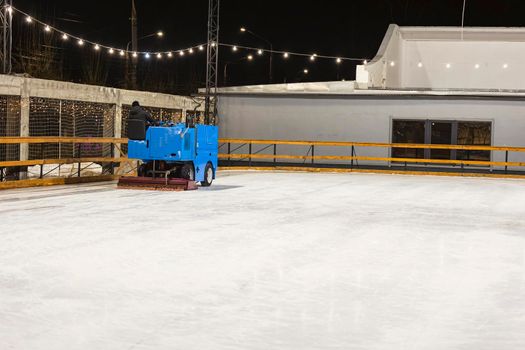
174,156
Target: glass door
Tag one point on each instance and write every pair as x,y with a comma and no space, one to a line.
441,134
408,131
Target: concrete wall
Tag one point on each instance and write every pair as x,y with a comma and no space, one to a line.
13,85
344,118
449,58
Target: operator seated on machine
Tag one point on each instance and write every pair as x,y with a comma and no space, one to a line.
138,122
138,113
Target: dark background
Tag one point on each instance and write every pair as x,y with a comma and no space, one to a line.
341,28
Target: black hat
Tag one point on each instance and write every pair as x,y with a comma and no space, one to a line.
135,104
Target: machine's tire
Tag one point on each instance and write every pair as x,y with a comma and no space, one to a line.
175,173
141,170
208,176
187,172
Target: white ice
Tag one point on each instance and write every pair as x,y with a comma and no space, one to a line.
266,261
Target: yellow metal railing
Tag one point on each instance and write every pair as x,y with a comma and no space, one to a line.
312,158
41,181
257,155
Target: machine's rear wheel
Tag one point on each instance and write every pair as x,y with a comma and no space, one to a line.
187,172
208,176
175,172
142,170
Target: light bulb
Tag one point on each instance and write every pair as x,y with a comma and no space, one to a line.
47,28
392,64
312,58
181,53
259,52
111,51
338,60
234,48
64,36
190,50
201,48
250,57
80,42
170,54
97,47
448,65
420,65
29,19
286,55
121,53
134,54
305,71
147,55
505,66
476,66
159,56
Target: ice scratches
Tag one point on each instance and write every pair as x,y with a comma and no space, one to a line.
31,209
53,195
13,280
218,188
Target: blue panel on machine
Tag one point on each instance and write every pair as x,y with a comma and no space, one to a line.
165,143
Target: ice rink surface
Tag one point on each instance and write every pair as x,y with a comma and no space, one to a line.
266,261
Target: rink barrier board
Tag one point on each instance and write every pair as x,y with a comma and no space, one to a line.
402,160
369,171
55,181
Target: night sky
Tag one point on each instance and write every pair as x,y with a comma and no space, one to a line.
339,28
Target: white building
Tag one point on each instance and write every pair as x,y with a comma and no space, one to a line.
426,85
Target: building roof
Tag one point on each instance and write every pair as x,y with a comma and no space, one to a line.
428,61
351,89
448,58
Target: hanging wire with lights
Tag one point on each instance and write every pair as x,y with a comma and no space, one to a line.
65,36
287,54
100,47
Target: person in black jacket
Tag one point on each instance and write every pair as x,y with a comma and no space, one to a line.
138,113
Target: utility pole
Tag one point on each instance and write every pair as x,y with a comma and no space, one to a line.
6,19
212,61
134,45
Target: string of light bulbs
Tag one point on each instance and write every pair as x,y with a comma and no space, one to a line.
65,36
252,51
287,54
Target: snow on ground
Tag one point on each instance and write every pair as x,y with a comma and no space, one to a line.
266,261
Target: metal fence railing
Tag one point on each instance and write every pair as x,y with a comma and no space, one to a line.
267,154
46,170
